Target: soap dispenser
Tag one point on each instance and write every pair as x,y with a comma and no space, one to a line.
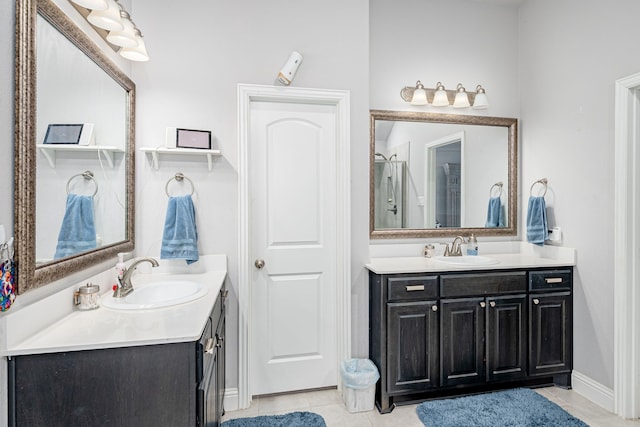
119,270
472,245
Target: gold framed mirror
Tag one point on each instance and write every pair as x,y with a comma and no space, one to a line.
36,164
442,175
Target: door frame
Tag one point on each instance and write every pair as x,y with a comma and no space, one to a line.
246,95
626,248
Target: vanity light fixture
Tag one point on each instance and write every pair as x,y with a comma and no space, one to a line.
114,24
440,97
107,19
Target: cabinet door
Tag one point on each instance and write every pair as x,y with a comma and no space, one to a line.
220,369
550,333
506,337
463,331
412,332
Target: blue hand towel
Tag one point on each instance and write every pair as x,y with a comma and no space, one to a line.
495,217
78,230
180,236
537,229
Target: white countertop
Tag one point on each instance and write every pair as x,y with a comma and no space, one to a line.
525,257
109,328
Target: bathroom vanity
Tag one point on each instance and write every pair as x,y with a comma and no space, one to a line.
438,330
109,367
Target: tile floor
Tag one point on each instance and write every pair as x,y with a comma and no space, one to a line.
328,403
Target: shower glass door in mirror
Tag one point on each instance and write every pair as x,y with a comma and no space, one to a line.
81,127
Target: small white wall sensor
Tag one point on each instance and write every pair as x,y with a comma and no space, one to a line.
289,69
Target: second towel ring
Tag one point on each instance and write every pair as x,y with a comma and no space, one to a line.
178,177
87,175
498,184
542,181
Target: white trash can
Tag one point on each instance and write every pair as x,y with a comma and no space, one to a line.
359,378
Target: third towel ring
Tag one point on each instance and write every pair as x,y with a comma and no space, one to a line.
542,181
87,175
178,177
499,185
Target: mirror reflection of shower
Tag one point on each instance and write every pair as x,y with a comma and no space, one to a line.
389,177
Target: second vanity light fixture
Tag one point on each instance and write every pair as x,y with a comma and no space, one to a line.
441,97
109,15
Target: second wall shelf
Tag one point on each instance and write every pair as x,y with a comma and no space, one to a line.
156,152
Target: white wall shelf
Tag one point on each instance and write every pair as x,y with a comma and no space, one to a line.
156,152
49,151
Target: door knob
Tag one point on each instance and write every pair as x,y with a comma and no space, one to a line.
259,264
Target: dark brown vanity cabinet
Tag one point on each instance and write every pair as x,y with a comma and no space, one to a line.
550,307
433,335
154,385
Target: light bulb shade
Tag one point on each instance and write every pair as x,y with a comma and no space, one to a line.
136,53
462,99
126,37
108,19
419,97
92,4
481,102
440,98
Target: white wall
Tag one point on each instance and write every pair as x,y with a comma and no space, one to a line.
569,62
200,51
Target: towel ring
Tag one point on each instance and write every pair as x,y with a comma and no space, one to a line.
542,181
499,185
178,177
87,175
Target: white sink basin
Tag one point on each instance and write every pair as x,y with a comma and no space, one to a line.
159,294
466,260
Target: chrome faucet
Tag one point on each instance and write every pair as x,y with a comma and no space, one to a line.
455,249
126,287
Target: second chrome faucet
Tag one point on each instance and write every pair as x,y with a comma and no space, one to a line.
125,287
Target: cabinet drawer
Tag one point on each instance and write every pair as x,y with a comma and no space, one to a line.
550,280
412,288
465,285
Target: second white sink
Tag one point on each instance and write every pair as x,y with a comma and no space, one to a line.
158,294
466,260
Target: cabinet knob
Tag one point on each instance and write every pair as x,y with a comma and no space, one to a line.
483,304
536,301
434,307
492,303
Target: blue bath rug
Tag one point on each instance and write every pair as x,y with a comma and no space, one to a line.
294,419
518,407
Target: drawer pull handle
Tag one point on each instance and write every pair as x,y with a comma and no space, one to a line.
413,288
483,304
434,307
553,279
492,303
209,345
536,301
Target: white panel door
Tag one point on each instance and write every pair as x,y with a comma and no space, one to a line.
292,162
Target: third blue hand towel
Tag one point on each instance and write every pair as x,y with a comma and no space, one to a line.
180,237
78,230
495,217
537,229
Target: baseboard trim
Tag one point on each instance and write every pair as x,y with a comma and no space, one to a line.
231,399
593,390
